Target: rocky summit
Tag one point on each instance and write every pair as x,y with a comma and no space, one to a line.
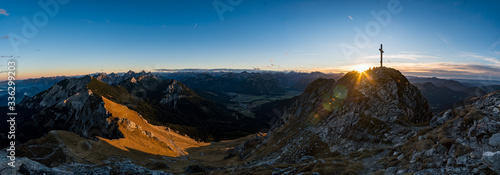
361,111
377,122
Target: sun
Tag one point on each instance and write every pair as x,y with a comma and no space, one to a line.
361,68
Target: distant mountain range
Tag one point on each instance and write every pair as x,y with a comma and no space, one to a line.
445,94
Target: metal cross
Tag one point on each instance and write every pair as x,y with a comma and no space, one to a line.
381,52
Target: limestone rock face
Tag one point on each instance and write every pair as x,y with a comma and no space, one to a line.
59,92
71,105
173,94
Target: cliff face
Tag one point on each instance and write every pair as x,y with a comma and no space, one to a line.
71,105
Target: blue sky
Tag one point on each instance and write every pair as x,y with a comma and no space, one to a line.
448,39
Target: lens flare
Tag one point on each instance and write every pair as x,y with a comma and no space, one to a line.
361,68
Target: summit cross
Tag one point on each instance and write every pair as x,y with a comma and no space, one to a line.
381,52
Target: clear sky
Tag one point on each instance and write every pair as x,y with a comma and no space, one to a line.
448,39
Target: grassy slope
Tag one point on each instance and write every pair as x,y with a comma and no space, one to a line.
163,141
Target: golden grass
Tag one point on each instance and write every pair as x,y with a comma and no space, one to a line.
164,142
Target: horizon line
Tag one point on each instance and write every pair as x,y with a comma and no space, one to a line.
236,70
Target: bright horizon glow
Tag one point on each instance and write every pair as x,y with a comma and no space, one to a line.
361,68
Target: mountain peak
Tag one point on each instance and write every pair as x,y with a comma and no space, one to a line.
383,87
114,79
130,72
61,90
366,110
71,104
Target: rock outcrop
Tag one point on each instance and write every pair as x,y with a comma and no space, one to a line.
458,141
70,105
361,111
28,166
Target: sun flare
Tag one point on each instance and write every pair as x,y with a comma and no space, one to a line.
361,68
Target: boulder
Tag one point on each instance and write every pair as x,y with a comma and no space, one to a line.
494,140
492,160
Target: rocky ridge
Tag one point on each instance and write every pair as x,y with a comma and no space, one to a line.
361,111
114,79
378,124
